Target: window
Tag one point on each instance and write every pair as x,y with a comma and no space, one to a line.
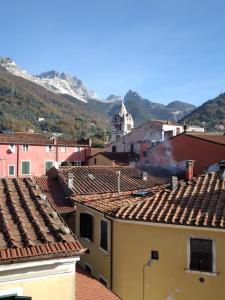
128,127
48,165
145,154
131,148
63,149
201,256
25,168
11,170
95,161
86,226
77,149
77,163
104,235
25,148
49,148
117,138
113,148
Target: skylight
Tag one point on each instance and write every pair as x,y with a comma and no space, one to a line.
91,176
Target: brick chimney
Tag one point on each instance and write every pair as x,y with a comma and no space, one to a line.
190,169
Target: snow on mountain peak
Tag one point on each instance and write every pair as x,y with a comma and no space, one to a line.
54,81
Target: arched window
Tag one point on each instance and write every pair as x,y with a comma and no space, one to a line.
117,138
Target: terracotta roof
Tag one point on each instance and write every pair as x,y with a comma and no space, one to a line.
213,138
103,179
29,225
95,151
120,158
88,288
197,203
37,139
109,202
56,196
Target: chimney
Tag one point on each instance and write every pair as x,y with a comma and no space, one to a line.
189,169
174,183
144,176
70,178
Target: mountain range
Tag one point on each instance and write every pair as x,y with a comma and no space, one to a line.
58,102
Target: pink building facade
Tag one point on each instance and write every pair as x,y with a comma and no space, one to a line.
33,155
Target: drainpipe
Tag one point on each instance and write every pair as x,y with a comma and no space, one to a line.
111,251
57,149
111,255
17,161
85,155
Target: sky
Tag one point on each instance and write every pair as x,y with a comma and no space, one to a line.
164,50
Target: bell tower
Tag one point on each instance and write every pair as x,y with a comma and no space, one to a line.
122,123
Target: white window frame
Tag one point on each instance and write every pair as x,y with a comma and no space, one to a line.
22,167
103,278
63,149
77,163
25,148
188,270
108,236
14,169
48,148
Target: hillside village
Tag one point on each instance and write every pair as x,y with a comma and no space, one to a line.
141,218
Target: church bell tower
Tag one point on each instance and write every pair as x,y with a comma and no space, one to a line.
122,123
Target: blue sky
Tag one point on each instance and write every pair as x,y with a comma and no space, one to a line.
165,50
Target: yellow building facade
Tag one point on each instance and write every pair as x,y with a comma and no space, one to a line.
169,277
98,261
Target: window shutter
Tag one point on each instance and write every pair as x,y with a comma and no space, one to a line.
90,227
86,226
104,235
201,255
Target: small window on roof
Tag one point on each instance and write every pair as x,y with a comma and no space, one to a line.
91,176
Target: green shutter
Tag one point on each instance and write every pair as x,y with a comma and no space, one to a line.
48,165
25,167
11,170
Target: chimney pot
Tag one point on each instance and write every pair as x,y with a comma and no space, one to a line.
144,176
189,169
174,183
70,181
